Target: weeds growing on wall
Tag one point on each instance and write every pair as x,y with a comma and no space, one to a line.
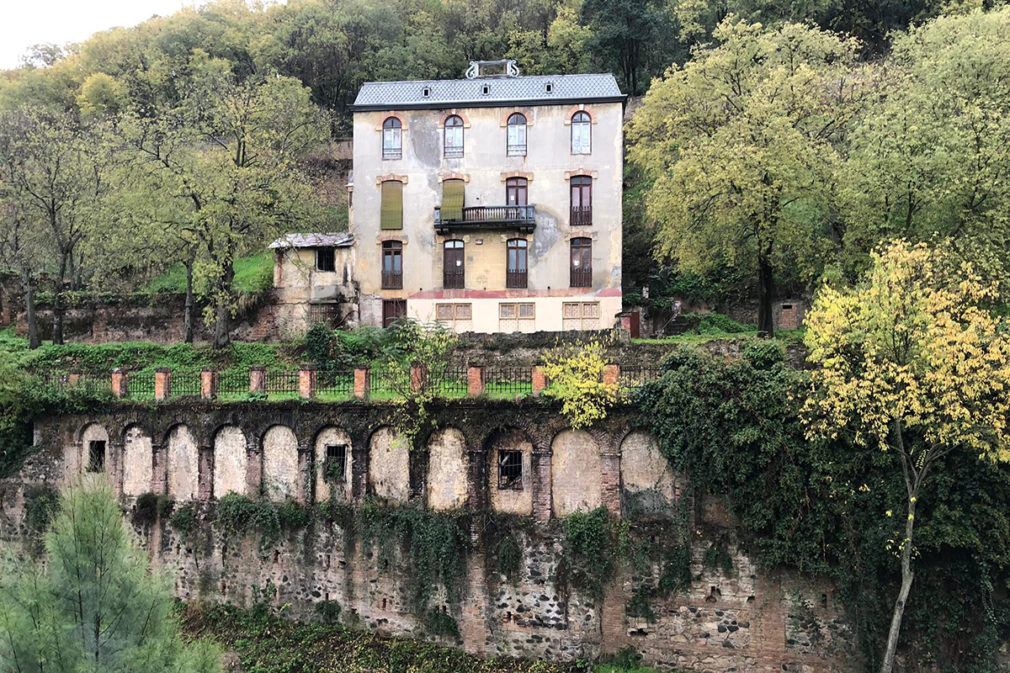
150,508
184,521
239,515
42,502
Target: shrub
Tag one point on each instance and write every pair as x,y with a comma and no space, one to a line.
42,501
575,372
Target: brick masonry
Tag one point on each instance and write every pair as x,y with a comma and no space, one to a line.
744,619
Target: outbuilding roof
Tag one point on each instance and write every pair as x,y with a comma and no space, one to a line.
488,92
341,240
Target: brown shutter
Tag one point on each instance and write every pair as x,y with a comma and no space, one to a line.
452,200
392,205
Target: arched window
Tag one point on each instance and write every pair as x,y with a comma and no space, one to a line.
582,262
582,201
581,133
453,266
392,138
454,136
516,140
516,261
392,265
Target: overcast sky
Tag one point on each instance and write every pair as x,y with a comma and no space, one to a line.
27,22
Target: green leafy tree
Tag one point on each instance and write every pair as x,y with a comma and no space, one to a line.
575,372
910,363
740,145
94,605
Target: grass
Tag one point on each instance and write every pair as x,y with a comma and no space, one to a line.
794,336
252,274
267,644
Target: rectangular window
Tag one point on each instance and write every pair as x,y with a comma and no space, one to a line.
96,456
510,470
336,462
581,315
393,310
326,259
391,215
449,313
523,311
392,265
453,266
516,260
581,262
582,201
452,199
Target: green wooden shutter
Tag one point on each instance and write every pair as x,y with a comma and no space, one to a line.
452,200
392,205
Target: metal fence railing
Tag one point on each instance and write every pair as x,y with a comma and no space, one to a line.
186,384
637,376
331,383
280,382
508,381
140,386
233,382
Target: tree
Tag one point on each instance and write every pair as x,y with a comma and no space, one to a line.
625,35
228,151
95,605
931,159
910,362
740,145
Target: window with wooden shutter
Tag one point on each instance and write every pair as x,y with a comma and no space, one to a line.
582,127
452,200
391,216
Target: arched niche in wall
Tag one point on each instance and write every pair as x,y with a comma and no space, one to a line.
230,461
576,476
448,470
510,471
389,465
90,454
280,463
138,461
648,485
333,464
183,464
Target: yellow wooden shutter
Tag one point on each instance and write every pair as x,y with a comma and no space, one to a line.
452,200
392,205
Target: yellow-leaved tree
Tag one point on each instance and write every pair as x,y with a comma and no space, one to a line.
910,362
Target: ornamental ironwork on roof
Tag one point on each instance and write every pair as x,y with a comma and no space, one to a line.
341,240
491,91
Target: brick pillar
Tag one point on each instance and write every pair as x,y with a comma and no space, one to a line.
611,374
307,382
303,489
114,464
205,488
473,623
475,380
612,626
159,474
539,380
162,383
542,497
208,384
119,384
362,382
611,481
257,379
254,466
418,376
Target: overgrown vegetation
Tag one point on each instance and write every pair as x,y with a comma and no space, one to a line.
575,372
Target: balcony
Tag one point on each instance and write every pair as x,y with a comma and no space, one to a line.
582,216
520,218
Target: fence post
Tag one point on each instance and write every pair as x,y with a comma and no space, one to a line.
307,381
162,383
475,380
119,384
73,378
611,374
539,380
208,384
418,376
257,379
362,382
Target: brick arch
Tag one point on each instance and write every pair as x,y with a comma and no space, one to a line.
454,113
447,477
509,496
576,472
388,464
137,459
580,108
79,433
231,459
182,463
525,112
394,115
280,474
317,450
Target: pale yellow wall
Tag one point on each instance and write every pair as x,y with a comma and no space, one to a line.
548,313
230,460
332,435
389,465
513,501
548,160
576,477
280,463
183,464
138,462
448,470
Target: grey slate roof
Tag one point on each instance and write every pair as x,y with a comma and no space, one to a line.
446,93
314,241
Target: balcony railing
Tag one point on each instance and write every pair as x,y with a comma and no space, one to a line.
392,281
515,279
488,217
582,216
452,279
582,278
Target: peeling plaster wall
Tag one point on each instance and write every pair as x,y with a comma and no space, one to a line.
448,470
280,464
511,501
335,436
183,464
575,470
389,465
646,480
138,466
230,461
